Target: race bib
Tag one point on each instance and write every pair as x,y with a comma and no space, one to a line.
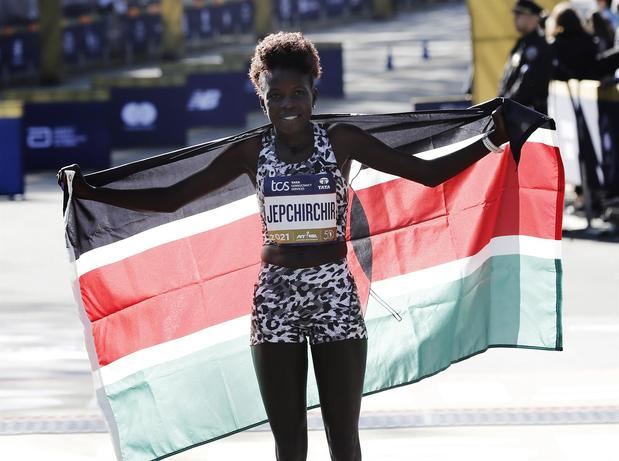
301,208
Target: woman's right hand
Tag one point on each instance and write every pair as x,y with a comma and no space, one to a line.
79,185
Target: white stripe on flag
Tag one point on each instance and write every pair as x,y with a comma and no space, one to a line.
239,328
369,177
461,268
166,233
145,358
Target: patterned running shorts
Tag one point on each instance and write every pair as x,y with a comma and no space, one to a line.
319,302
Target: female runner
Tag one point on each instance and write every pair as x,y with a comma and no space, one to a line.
305,292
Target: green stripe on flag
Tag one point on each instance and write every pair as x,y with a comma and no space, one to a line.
511,301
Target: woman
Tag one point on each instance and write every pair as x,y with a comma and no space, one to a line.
305,291
573,47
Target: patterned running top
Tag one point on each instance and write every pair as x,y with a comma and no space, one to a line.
301,203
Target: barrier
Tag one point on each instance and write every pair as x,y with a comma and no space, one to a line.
62,127
561,108
331,58
214,93
19,53
11,168
144,34
443,103
587,119
145,109
84,43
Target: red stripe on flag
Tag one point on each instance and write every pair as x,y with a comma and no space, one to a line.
174,314
170,266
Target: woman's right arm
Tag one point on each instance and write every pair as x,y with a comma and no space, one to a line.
229,165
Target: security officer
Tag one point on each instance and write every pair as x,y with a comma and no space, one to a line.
527,72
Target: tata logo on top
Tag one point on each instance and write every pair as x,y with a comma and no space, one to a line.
204,100
139,115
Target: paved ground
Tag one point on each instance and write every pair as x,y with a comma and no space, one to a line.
507,404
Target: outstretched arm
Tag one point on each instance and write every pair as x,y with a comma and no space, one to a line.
229,165
358,145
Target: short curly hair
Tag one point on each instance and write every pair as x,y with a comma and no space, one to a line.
290,50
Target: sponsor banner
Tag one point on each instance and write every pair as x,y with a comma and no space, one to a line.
225,18
152,116
609,136
222,19
286,11
197,23
442,105
11,169
201,20
309,10
60,133
83,43
216,99
335,8
19,52
358,6
331,83
246,12
144,33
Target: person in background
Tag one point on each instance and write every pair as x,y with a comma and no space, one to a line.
609,12
574,49
527,72
603,32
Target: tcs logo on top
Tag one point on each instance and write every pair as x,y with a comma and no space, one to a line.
280,186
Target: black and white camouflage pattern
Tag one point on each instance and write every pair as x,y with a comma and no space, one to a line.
319,302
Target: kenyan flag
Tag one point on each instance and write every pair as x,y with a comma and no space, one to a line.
446,273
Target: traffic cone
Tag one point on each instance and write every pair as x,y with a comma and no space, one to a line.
389,63
425,51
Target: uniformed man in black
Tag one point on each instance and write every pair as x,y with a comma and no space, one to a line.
527,72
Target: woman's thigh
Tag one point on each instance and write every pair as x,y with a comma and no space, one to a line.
340,370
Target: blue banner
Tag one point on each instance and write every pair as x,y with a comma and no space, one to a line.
608,119
246,16
224,18
200,22
293,11
60,133
19,52
93,41
310,10
286,11
151,116
192,24
11,169
216,99
357,6
335,8
71,44
144,33
442,104
332,81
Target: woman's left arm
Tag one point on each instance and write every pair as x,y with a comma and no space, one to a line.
358,145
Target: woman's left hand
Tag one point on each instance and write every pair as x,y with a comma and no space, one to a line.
499,136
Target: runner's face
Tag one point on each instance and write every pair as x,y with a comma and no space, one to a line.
287,99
